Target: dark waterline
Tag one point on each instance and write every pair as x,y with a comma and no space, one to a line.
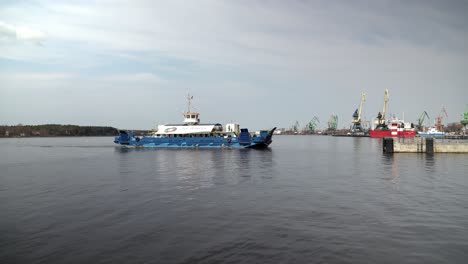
307,199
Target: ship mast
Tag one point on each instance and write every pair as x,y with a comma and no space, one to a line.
191,118
189,102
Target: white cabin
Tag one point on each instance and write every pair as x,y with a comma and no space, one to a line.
233,128
192,127
191,118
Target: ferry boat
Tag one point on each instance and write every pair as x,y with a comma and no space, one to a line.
193,134
432,132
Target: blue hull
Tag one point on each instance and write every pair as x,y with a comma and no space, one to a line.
126,138
425,135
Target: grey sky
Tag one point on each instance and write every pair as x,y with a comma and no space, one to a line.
129,64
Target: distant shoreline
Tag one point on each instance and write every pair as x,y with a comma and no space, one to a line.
56,130
3,137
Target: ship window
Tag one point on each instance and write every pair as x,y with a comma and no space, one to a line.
193,116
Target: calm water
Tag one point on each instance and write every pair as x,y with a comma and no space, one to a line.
309,199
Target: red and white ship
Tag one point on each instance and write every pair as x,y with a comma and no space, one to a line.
394,128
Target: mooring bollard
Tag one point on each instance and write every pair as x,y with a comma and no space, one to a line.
387,145
429,145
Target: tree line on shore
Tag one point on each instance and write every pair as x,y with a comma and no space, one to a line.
54,130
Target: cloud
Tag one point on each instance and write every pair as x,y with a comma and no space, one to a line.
21,33
294,52
35,76
136,77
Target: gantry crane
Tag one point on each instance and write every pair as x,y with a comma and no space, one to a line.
439,125
380,121
357,127
333,123
421,120
312,125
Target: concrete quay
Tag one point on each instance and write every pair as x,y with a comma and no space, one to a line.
424,145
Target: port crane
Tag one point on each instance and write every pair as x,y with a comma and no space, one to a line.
464,122
333,123
357,127
465,117
439,125
295,127
312,125
421,120
380,121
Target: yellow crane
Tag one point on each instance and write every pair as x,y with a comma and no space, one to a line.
357,114
380,121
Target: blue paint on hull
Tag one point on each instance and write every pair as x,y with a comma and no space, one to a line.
127,138
431,135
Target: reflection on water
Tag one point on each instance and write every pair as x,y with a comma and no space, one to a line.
388,159
394,164
124,149
429,162
390,166
326,199
357,143
192,169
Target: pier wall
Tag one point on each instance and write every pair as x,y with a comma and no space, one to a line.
451,147
424,145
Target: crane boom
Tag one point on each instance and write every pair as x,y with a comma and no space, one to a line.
363,99
333,122
381,116
312,125
359,113
443,111
421,119
386,98
465,117
295,127
440,118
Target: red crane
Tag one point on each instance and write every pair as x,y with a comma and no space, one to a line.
439,125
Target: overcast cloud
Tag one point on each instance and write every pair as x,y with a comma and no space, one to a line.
129,64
